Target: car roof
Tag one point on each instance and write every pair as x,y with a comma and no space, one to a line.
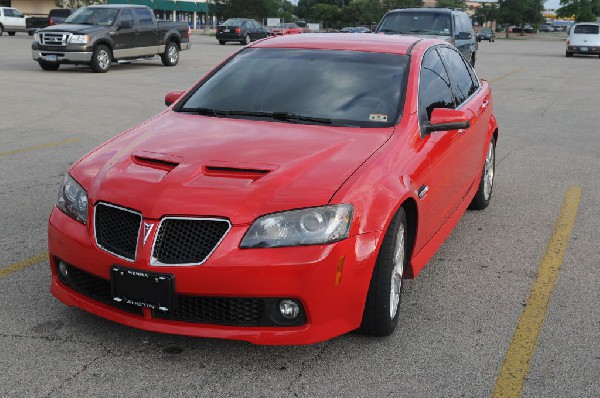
426,9
391,44
116,6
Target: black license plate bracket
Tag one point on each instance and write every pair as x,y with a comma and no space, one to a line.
140,288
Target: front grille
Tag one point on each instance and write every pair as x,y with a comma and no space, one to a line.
117,230
93,287
54,38
185,241
217,310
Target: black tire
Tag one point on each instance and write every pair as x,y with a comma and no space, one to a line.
568,54
482,198
11,33
381,313
1,29
222,42
246,40
30,32
171,54
48,65
101,59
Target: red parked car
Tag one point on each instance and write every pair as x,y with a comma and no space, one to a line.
242,212
286,29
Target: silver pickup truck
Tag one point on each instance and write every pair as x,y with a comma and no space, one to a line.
100,35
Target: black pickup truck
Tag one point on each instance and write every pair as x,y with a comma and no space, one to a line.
100,35
55,16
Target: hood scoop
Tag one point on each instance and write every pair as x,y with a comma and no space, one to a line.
159,161
246,171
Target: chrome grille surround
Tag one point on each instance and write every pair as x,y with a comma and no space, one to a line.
102,244
155,259
55,38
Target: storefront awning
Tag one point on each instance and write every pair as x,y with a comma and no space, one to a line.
148,3
117,2
202,7
187,6
165,5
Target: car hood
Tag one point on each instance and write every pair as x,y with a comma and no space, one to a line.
76,29
182,164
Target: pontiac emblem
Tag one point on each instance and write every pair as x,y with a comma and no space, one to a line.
147,231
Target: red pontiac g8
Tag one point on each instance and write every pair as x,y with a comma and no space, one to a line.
241,212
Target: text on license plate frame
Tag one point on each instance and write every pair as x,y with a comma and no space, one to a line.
142,289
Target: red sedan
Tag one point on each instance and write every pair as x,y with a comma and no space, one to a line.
286,29
242,212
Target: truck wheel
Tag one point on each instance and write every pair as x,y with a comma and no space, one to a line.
171,55
101,59
1,29
48,65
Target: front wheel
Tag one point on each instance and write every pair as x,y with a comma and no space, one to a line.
101,59
481,200
171,55
1,29
48,65
382,307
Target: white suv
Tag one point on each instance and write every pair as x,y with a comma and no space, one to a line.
11,21
584,38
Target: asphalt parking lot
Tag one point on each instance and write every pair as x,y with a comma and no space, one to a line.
455,336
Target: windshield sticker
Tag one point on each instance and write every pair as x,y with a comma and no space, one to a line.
378,117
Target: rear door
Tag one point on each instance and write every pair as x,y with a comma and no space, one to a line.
126,36
147,37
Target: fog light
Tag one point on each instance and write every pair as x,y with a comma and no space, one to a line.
289,309
62,268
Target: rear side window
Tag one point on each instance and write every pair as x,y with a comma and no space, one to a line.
8,12
419,23
61,12
461,79
434,87
587,29
143,16
126,15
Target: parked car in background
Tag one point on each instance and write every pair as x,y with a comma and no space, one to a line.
100,35
486,34
11,21
280,210
584,39
56,16
518,29
546,28
240,30
453,26
286,29
357,29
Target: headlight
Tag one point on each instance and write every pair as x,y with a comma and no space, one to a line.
36,37
79,39
73,200
312,226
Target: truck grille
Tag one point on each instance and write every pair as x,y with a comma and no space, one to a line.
117,230
54,38
187,241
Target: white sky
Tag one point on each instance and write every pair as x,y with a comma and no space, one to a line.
552,4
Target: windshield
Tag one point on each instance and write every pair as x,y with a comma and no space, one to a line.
418,23
337,87
93,16
232,22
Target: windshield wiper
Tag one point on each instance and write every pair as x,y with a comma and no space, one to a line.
283,116
204,111
386,30
430,32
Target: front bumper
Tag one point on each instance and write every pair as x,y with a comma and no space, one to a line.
590,50
62,57
330,282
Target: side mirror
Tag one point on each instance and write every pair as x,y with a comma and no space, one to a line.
172,96
127,24
444,119
463,36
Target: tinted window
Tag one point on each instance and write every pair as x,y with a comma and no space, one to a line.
460,78
232,22
348,87
8,12
60,12
93,16
425,23
144,16
434,86
126,15
587,29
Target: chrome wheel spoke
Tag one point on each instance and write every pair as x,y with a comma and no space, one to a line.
397,272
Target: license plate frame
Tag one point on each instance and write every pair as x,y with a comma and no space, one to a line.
226,30
584,49
144,289
51,58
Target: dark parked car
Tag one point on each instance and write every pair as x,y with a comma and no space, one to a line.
357,29
546,28
56,16
453,26
486,34
241,30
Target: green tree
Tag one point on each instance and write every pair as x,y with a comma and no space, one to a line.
77,3
583,10
452,4
520,12
485,13
362,12
326,14
256,9
387,5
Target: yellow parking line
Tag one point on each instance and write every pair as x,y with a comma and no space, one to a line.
6,271
506,75
44,146
511,378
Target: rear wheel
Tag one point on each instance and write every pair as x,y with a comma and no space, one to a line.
382,307
48,65
222,42
481,200
171,55
568,54
101,59
247,40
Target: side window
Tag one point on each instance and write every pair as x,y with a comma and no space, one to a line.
17,14
434,86
143,16
126,15
8,12
467,25
460,76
